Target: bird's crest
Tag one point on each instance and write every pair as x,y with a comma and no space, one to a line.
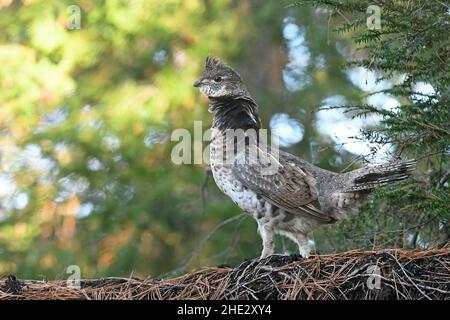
214,63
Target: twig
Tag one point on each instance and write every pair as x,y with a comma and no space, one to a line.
202,243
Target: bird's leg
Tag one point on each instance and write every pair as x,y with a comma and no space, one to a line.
302,243
267,236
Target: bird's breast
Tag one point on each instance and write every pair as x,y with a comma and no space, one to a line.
222,171
241,195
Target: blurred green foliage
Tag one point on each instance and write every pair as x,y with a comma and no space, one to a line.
86,115
411,50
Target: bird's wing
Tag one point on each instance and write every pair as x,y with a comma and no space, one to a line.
289,187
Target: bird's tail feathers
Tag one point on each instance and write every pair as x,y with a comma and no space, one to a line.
372,177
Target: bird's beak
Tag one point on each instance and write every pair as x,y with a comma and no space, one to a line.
197,83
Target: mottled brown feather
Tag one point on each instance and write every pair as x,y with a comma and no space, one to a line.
291,187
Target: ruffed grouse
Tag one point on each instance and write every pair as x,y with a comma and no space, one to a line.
297,196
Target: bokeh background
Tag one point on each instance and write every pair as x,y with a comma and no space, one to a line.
86,117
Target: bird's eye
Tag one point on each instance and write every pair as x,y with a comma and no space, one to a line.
218,79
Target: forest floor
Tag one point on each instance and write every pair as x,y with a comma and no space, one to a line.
380,274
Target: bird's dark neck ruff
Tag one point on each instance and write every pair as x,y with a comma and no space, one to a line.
235,113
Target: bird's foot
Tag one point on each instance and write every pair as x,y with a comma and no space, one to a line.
304,252
265,255
275,255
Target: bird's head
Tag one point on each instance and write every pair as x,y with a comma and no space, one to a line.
219,81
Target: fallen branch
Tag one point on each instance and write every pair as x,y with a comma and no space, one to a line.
402,275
